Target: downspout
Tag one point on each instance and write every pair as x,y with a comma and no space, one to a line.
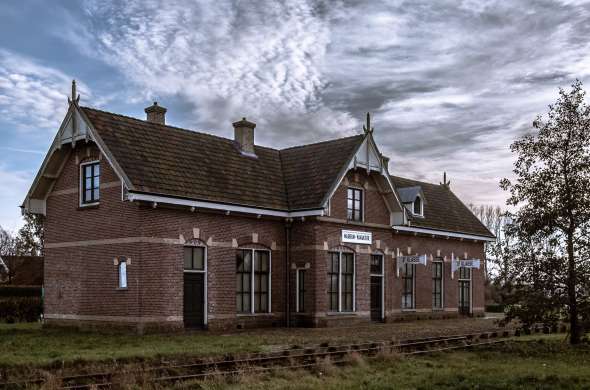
288,225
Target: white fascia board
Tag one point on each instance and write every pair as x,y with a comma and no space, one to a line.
132,196
442,233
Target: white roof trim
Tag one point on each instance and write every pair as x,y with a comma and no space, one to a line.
370,146
131,196
442,233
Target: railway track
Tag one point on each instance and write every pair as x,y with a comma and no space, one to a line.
295,358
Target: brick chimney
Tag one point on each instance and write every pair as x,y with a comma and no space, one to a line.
244,136
156,114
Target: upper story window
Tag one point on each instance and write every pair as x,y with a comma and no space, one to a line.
417,207
90,183
354,205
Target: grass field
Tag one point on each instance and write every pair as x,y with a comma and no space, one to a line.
29,345
545,364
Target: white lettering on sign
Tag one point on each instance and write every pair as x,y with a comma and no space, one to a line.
357,237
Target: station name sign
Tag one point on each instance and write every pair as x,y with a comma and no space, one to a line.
414,259
354,237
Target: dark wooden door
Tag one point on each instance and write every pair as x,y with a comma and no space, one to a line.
376,298
464,297
194,299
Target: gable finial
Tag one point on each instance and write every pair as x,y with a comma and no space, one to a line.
367,128
445,182
75,98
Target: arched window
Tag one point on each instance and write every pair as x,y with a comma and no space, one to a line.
418,206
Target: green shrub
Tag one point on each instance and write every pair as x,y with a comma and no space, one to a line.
20,291
495,308
20,309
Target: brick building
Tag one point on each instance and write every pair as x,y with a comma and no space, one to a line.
153,226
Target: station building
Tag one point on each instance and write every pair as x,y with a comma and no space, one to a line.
151,226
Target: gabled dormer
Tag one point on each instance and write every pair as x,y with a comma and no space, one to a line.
413,199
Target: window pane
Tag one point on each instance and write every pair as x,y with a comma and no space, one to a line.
96,183
123,274
187,258
88,195
96,169
417,206
88,183
88,171
198,258
95,194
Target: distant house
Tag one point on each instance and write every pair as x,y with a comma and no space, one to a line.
152,225
22,270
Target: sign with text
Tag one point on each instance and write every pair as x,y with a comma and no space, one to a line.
357,237
468,263
413,259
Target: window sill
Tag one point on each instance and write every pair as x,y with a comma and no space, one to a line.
408,310
438,309
255,314
88,206
122,289
342,313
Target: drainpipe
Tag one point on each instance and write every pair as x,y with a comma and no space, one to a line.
288,224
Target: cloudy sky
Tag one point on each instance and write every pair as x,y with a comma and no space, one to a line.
449,84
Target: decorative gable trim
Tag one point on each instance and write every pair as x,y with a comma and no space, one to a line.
75,127
367,156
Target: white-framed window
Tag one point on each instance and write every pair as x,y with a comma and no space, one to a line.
437,284
122,271
418,206
253,281
408,286
354,204
89,183
341,282
464,281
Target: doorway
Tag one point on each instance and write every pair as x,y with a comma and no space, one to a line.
464,291
377,313
195,288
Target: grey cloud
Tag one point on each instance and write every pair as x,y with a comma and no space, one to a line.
450,84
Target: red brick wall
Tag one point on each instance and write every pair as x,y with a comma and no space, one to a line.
375,209
81,277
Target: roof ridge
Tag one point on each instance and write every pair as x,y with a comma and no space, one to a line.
320,142
173,127
417,181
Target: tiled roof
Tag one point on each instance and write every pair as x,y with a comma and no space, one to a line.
443,210
408,194
166,160
310,170
171,161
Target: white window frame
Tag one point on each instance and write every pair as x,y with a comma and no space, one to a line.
122,282
340,281
362,190
442,286
470,280
252,312
81,185
382,275
421,214
413,308
198,271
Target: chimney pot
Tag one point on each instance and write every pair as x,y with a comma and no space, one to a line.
244,136
156,114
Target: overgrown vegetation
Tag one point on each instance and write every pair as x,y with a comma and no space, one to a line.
544,364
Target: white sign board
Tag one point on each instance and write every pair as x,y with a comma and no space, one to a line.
470,263
357,237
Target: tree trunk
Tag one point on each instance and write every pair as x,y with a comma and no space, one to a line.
571,282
